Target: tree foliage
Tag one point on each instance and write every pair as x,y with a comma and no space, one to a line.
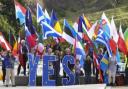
8,19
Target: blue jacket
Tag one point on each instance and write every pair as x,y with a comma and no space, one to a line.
9,62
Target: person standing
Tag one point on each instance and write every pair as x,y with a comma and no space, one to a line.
87,69
23,57
100,56
112,68
77,72
2,56
9,64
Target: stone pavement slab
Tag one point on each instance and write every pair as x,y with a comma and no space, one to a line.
89,86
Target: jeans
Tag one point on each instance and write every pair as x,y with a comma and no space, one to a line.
77,79
87,78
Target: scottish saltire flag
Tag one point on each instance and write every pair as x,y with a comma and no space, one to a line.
48,31
104,39
40,13
20,12
30,40
104,62
47,17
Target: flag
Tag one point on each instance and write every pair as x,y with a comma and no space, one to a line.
54,18
40,13
97,65
16,47
121,43
103,38
104,62
96,29
113,45
118,56
20,12
87,23
29,24
3,43
48,31
28,18
114,33
47,17
57,27
91,31
79,49
82,31
126,38
69,33
105,24
31,41
120,32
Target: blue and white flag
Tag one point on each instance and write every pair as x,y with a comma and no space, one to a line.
40,13
104,39
48,31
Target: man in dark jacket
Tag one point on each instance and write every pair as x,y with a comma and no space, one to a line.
87,69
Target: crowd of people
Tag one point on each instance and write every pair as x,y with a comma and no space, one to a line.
87,69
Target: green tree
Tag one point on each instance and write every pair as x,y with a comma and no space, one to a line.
8,13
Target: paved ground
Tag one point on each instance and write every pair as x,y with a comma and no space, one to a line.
118,87
89,86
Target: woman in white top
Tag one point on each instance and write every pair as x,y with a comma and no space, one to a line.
112,67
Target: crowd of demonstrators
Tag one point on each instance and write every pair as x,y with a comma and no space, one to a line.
8,64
